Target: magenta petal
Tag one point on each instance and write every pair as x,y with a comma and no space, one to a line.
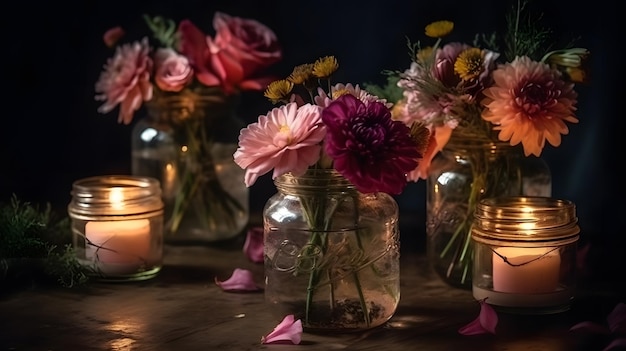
488,317
617,319
486,321
617,344
241,280
287,330
590,327
473,328
253,246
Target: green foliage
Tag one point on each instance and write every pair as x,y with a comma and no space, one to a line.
524,36
34,242
163,30
390,91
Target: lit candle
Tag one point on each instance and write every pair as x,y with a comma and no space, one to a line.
121,244
527,270
117,226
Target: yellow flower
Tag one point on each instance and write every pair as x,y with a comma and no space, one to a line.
425,54
469,63
397,111
278,90
421,135
301,74
576,75
439,29
324,67
571,62
341,92
574,57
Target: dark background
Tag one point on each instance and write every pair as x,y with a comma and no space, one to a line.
52,134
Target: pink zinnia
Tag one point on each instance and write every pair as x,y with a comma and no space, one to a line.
126,80
529,103
370,149
288,139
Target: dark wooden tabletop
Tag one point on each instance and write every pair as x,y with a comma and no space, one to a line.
183,309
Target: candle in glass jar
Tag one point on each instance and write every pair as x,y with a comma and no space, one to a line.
527,270
124,242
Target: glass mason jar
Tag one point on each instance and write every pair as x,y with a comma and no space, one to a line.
187,141
525,254
117,226
331,253
468,169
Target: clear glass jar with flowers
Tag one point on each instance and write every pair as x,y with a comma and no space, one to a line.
187,85
490,115
331,240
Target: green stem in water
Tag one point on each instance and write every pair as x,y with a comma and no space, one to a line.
215,204
355,275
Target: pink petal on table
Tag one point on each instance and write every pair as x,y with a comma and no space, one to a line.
287,330
241,280
617,319
253,246
617,344
590,327
486,321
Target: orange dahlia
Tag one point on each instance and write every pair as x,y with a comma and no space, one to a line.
529,103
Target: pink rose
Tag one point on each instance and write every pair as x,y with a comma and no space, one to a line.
172,71
126,80
251,43
234,58
193,45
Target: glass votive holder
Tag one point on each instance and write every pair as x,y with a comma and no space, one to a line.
117,226
525,254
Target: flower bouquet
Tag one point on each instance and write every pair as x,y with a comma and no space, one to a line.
189,83
481,104
330,233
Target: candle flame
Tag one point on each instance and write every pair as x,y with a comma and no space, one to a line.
116,197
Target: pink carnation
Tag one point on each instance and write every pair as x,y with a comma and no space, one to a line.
126,80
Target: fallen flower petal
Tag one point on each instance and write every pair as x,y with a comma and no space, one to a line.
287,330
590,327
616,323
253,246
486,321
617,344
617,319
241,280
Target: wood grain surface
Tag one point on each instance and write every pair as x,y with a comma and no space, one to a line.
183,309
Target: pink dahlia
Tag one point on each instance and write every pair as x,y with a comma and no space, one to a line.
287,139
370,149
530,103
126,80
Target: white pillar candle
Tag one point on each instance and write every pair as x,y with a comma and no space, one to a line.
118,242
530,270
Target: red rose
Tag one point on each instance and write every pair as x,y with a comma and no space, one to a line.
241,49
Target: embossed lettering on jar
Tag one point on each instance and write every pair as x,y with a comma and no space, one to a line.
331,253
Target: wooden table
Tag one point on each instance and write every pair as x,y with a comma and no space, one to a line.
183,309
